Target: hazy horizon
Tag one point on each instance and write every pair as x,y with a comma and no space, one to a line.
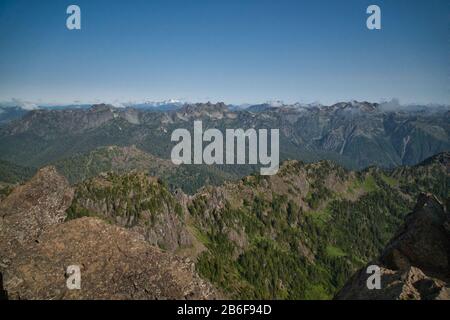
29,105
238,52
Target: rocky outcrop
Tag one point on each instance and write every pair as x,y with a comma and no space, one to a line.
416,262
115,263
30,209
37,247
135,201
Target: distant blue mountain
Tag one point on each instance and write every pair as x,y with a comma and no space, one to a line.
8,114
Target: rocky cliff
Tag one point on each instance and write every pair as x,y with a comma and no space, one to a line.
30,209
114,263
415,263
136,201
37,246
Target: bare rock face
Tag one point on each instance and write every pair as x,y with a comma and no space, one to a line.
115,263
37,247
415,264
30,209
424,240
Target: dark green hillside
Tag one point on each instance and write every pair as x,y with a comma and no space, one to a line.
188,178
284,239
11,173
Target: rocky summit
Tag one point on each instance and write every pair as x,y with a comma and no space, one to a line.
32,208
415,263
114,263
37,246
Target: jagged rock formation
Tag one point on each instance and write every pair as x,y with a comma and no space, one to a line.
136,201
115,264
36,247
30,209
416,262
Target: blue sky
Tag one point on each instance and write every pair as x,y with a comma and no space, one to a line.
232,51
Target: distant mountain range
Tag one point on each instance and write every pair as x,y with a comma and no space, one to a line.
354,134
174,104
11,113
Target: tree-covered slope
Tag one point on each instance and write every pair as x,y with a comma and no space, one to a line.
117,159
297,235
11,173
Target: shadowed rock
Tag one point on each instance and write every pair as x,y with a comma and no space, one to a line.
415,264
3,293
